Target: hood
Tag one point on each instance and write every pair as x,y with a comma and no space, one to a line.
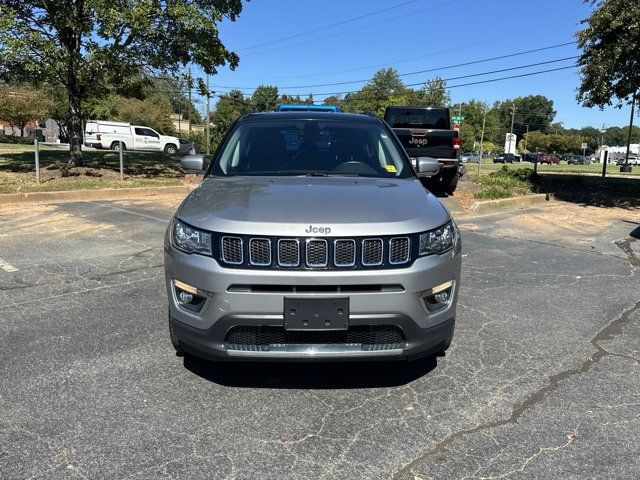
312,206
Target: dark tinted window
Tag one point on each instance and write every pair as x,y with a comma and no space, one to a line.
311,147
435,118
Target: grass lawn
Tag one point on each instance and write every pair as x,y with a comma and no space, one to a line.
563,167
101,170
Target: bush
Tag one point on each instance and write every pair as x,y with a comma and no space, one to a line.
493,192
16,140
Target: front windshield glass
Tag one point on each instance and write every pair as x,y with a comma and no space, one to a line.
311,147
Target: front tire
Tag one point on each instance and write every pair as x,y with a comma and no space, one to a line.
170,149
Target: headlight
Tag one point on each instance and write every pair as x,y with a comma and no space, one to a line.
438,240
189,239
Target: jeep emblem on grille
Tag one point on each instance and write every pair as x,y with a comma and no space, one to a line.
323,230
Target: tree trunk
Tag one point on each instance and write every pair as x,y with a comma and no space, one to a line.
76,134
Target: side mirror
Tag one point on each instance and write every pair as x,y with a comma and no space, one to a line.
193,163
427,166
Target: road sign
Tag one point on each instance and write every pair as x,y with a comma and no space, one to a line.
457,118
584,146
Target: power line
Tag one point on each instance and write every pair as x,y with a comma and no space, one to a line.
385,21
446,79
473,62
343,22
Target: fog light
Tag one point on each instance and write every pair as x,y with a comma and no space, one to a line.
184,297
188,297
437,297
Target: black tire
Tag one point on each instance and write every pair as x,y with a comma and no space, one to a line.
174,340
170,149
449,180
116,146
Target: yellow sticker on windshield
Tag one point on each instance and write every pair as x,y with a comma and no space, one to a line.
391,168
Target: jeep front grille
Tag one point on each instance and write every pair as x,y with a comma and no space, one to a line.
317,253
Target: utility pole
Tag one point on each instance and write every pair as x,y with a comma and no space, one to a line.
208,119
513,114
484,121
189,106
626,167
526,135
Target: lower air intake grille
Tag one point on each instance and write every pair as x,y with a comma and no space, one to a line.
375,337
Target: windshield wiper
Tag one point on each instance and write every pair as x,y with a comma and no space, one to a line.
323,174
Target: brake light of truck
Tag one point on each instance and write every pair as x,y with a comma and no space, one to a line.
456,143
98,136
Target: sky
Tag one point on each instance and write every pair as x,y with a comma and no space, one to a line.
291,43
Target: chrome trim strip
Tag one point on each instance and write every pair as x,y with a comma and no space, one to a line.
315,350
251,262
381,252
408,257
241,250
335,243
297,251
326,253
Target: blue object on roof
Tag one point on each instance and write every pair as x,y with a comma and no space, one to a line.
306,107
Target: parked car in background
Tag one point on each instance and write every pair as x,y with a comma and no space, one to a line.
578,160
633,160
471,157
549,159
108,135
188,147
427,132
504,158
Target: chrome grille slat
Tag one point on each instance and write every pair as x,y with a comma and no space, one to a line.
232,250
288,252
399,250
317,253
344,253
260,252
372,251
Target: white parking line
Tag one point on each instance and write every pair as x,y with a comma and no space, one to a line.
150,217
7,267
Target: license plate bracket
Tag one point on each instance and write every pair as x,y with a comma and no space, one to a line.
316,314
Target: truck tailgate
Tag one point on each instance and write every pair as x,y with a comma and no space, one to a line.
427,143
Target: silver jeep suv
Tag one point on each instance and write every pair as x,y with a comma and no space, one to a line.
311,237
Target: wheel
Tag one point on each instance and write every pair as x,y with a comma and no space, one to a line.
449,180
116,146
170,149
174,340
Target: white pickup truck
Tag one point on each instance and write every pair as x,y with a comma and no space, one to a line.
108,135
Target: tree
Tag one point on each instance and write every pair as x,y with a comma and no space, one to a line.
610,59
21,105
533,110
229,107
264,99
87,45
434,94
536,142
467,136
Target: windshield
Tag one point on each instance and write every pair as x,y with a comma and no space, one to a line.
436,118
311,147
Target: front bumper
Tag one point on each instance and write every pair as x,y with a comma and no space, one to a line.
204,333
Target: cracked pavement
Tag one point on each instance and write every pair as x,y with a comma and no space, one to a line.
542,379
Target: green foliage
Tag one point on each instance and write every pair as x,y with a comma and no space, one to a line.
21,105
264,99
89,46
610,59
467,136
229,107
16,140
534,110
432,94
505,182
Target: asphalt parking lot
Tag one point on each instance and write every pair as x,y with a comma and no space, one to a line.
542,380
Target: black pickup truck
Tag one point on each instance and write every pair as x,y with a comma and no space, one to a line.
426,132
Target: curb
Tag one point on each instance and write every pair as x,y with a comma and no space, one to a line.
100,194
487,206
